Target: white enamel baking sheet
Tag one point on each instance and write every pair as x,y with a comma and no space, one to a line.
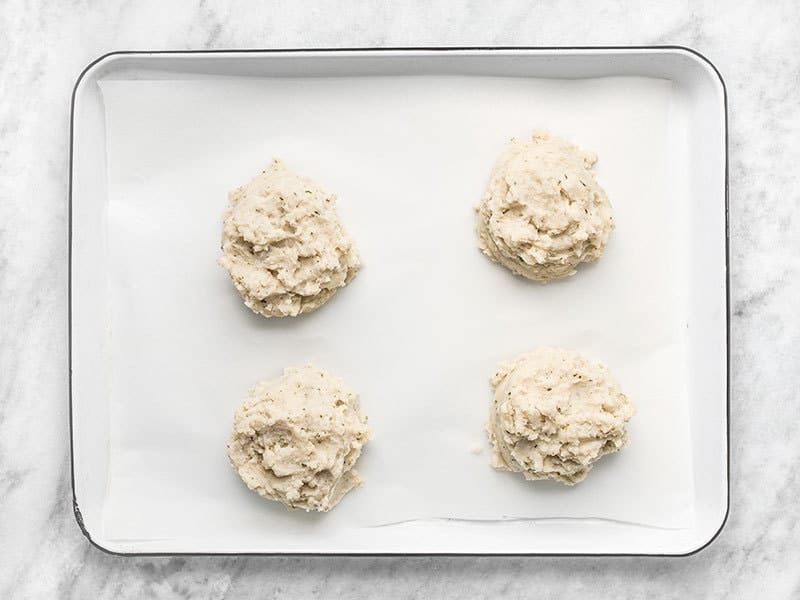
406,139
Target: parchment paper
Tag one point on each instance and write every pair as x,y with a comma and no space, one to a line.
420,330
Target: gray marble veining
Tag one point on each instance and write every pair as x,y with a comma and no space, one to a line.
44,45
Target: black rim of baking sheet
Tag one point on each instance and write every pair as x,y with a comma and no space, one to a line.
376,50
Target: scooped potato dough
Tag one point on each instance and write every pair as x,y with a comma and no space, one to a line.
296,439
543,212
283,245
554,413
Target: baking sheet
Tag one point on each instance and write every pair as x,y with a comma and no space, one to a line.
421,328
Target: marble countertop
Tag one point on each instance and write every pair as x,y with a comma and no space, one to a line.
43,47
